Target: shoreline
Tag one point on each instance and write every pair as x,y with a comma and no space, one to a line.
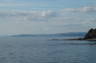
76,39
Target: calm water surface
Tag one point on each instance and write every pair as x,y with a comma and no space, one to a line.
42,50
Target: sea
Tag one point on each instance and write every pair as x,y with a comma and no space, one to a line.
42,49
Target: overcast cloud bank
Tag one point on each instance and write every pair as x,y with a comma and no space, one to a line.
47,21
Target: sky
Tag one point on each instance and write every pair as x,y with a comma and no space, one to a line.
46,16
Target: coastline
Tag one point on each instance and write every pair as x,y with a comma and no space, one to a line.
90,36
76,39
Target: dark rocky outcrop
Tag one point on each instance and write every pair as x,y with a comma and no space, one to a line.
91,34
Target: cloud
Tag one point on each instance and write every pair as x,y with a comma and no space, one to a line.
27,15
47,21
82,9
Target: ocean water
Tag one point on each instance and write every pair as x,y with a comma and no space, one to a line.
44,50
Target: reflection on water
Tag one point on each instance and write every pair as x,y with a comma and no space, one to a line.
94,43
40,50
74,42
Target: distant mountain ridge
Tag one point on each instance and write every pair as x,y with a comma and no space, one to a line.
50,35
90,36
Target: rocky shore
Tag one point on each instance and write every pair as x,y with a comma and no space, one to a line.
90,35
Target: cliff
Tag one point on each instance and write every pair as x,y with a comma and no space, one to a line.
91,34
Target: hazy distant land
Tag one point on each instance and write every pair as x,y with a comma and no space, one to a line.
71,34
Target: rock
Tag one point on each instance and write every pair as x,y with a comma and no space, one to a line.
91,34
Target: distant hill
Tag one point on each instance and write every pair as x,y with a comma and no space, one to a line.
91,34
71,34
